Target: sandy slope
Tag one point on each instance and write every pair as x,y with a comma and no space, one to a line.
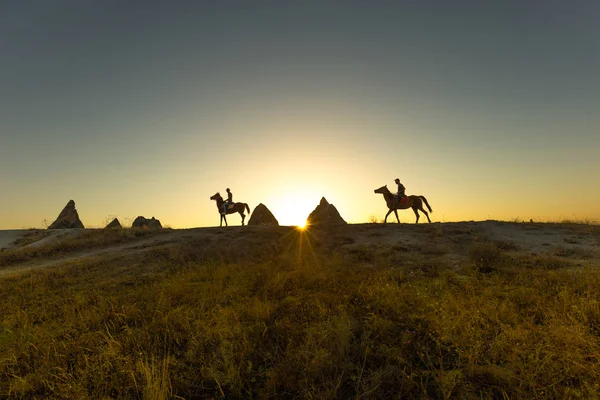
19,238
7,237
577,242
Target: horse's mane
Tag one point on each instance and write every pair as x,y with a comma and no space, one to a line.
387,191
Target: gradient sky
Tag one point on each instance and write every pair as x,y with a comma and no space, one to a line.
492,111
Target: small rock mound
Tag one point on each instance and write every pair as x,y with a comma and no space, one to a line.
114,224
141,222
262,216
325,215
68,218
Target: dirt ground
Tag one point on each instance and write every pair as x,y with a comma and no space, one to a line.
578,243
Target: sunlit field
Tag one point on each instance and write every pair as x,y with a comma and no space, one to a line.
287,313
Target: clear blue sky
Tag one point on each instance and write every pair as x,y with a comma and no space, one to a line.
148,108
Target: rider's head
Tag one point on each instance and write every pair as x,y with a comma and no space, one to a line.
227,190
397,180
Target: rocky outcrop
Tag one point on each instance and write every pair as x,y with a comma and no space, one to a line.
114,224
141,222
68,218
325,215
262,216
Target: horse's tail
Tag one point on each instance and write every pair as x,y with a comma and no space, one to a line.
247,208
426,203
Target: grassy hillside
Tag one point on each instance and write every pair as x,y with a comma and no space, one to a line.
35,244
280,313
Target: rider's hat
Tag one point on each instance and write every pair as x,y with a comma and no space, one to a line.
227,189
397,179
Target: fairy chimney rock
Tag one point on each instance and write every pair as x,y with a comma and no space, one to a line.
325,215
114,224
262,216
68,218
141,222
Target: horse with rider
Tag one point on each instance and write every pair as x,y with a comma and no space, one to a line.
400,201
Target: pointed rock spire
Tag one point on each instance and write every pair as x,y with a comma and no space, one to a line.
262,216
114,224
68,218
325,214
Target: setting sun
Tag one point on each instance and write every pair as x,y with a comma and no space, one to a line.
303,226
293,210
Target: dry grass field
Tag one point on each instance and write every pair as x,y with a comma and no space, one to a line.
481,310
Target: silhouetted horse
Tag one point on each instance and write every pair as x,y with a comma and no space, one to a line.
414,202
232,208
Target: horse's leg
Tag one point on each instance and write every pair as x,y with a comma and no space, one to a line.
221,221
396,213
386,215
426,214
417,214
225,219
243,217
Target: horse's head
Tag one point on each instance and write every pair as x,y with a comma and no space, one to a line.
216,196
382,190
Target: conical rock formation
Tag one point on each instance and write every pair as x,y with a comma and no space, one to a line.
68,218
325,215
262,216
114,224
141,222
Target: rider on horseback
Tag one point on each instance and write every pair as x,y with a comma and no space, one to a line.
227,202
401,192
